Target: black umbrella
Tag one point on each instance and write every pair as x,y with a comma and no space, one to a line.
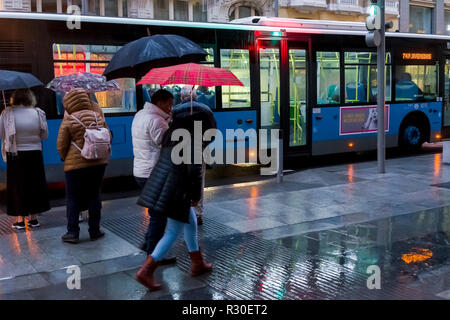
136,58
198,111
10,80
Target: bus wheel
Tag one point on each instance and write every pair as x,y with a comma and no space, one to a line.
412,137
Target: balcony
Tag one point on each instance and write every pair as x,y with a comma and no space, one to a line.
346,6
307,5
392,7
15,5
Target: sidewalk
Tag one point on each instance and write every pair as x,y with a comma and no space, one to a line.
311,237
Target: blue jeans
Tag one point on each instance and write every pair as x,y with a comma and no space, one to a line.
83,192
156,226
173,230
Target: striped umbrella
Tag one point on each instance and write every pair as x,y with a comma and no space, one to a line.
193,74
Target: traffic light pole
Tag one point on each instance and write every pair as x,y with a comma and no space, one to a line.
381,61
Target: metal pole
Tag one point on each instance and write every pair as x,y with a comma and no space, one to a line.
276,8
280,157
381,58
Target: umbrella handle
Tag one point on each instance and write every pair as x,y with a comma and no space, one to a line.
4,100
192,92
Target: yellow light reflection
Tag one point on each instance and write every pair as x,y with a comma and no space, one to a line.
252,209
16,244
34,250
437,164
254,192
350,172
418,255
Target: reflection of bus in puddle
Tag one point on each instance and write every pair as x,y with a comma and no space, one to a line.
402,246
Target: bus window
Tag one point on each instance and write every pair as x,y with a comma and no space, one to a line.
447,94
205,95
270,87
297,106
70,59
361,77
416,82
328,78
238,62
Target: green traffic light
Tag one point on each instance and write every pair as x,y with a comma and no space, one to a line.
373,10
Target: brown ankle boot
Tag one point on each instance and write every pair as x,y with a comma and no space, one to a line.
198,266
145,274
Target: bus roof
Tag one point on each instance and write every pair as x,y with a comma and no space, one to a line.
249,24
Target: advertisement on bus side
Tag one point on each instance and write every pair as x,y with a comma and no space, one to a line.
362,119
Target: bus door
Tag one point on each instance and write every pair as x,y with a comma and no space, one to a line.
297,124
283,90
446,102
271,110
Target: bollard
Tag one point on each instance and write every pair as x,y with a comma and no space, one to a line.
446,151
280,157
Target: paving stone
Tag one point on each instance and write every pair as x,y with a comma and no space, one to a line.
22,283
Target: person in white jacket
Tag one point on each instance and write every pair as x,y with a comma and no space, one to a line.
147,131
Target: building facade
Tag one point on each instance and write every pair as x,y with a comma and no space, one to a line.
419,16
188,10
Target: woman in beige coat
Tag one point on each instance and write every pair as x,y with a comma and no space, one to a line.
83,177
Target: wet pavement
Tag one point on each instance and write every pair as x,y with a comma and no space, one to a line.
312,237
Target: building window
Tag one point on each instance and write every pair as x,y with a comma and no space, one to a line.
200,12
447,21
93,7
71,58
161,9
243,11
49,6
181,10
420,19
124,8
111,8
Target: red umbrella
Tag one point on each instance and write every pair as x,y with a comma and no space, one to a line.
193,74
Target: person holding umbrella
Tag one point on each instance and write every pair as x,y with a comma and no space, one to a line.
173,191
192,74
187,93
147,131
22,127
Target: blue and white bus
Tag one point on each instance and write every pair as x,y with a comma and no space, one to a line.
316,80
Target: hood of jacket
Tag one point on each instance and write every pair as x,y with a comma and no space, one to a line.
77,100
153,109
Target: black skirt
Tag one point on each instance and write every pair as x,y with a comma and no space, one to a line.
26,184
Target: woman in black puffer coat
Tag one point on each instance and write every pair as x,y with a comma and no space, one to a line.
173,189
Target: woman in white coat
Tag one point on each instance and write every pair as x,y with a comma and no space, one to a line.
147,131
